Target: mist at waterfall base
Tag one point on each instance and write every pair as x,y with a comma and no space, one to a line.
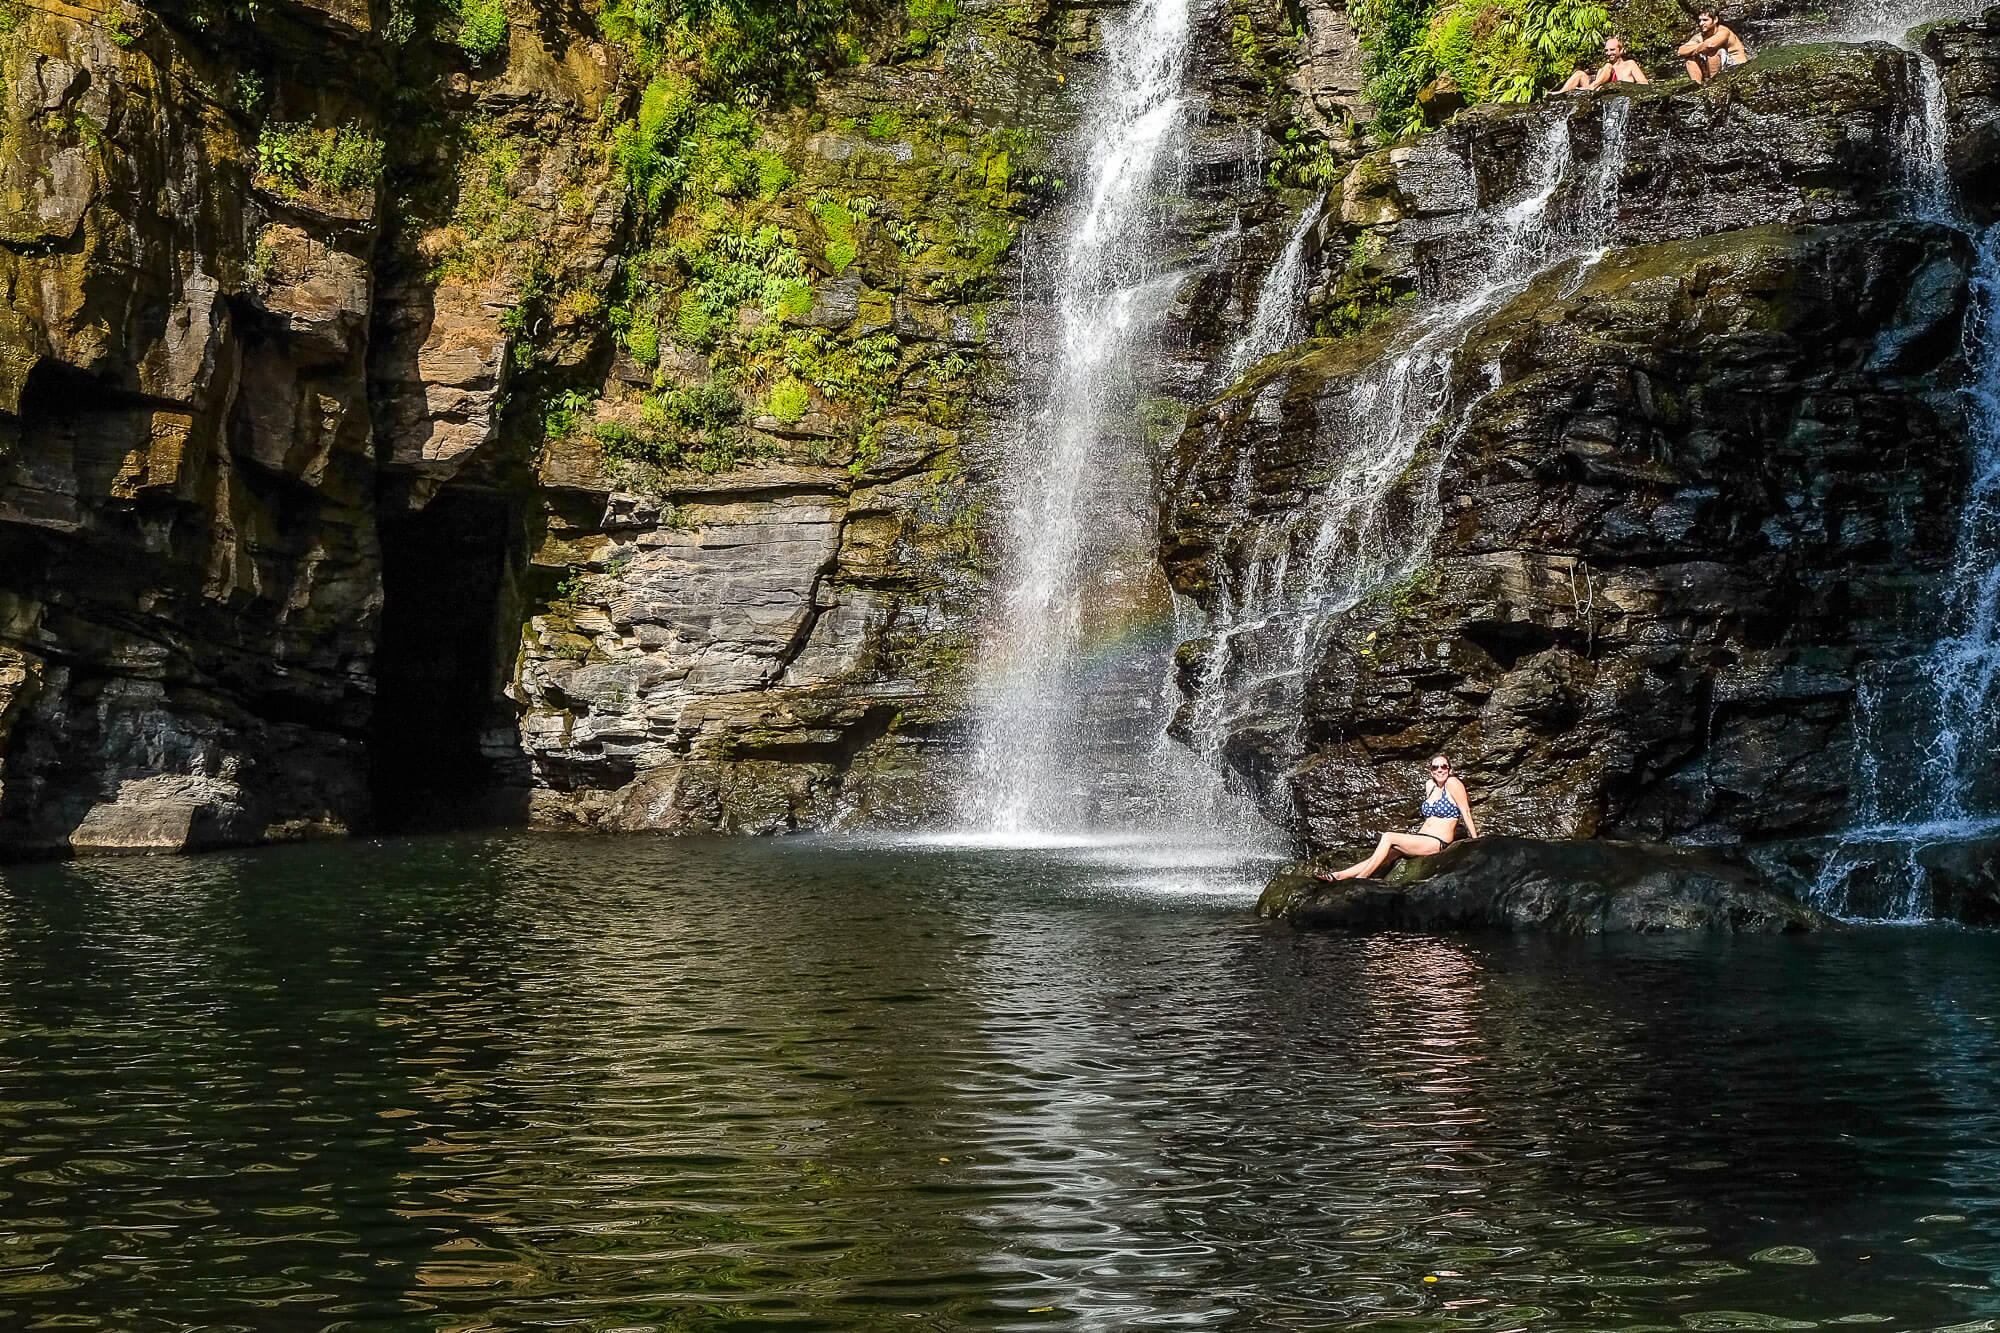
1081,589
512,1081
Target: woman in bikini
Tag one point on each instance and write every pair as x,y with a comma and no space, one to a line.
1445,804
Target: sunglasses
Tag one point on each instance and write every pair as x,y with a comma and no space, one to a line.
1440,768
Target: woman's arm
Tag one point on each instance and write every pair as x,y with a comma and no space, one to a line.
1464,804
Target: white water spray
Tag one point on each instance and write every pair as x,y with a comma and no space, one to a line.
1278,321
1070,581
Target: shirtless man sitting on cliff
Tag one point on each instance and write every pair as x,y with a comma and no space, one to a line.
1618,67
1715,49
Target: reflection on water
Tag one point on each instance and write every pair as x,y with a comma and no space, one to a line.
511,1082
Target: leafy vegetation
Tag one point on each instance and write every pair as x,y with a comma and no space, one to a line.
482,28
928,21
295,157
488,216
747,50
1492,50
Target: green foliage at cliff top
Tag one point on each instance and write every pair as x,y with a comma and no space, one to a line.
753,50
1493,50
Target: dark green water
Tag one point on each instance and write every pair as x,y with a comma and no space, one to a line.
516,1082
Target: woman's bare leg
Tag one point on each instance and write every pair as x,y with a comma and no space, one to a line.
1388,848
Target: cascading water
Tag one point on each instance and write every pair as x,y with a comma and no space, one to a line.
1278,320
1080,567
1879,20
1936,786
1265,634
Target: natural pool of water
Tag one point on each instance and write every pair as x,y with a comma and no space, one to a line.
532,1082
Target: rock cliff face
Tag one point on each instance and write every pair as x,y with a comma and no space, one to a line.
402,426
190,590
404,423
1682,492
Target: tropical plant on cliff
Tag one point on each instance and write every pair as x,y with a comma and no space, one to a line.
1489,50
749,50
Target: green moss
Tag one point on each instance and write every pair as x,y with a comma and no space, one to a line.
1414,589
788,402
773,175
836,222
928,20
792,302
1162,419
1363,293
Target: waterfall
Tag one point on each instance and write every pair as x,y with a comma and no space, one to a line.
1277,322
1882,20
1963,667
1070,584
1934,786
1267,631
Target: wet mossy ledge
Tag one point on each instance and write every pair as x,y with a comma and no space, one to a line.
1571,887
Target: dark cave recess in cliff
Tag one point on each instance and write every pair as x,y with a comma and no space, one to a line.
437,758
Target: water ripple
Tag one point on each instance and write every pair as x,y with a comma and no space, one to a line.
518,1082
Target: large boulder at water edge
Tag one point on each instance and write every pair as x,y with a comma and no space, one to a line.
1565,888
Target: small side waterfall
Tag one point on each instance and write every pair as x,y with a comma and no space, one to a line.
1911,790
1079,565
1966,663
1297,577
1278,320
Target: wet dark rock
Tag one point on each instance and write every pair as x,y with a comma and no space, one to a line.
1934,878
1583,887
1719,476
1968,62
1685,493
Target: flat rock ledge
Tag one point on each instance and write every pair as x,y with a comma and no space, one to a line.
1562,888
